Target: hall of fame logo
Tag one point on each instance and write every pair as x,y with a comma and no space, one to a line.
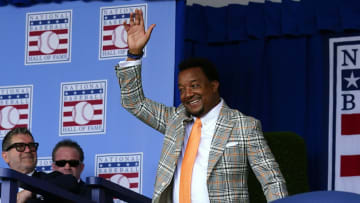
83,107
125,169
48,37
113,37
44,164
15,107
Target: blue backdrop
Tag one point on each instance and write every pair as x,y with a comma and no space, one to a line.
122,132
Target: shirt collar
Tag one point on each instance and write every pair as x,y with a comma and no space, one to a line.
213,113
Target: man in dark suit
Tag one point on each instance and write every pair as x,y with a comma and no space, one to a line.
19,151
226,139
68,158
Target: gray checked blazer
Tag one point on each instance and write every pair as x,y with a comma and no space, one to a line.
238,140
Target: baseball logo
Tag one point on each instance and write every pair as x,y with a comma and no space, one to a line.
9,117
120,180
48,42
119,37
83,113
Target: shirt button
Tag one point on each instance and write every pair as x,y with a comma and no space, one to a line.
163,184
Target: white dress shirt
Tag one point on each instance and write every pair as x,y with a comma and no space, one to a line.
199,191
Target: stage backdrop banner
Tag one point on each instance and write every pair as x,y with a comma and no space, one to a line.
344,113
58,79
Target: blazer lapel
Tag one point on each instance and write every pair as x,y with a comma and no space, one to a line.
223,128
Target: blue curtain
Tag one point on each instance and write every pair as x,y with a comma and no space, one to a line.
272,60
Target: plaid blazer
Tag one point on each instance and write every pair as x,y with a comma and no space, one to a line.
238,140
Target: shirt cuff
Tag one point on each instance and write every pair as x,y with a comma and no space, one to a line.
123,64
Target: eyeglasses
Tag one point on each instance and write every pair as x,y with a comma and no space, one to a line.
20,146
72,163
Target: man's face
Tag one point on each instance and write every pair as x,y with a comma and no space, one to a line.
23,162
68,154
197,93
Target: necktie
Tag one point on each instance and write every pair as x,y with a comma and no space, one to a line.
188,162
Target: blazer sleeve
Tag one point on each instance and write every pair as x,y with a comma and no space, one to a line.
152,113
263,163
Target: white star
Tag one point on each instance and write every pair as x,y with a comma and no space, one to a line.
352,80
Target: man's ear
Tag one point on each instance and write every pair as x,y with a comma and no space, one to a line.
5,157
215,85
82,165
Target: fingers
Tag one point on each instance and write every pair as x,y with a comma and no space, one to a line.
136,18
149,31
126,26
131,19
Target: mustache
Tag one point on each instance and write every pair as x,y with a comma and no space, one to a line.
23,156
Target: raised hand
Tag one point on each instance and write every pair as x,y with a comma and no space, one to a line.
137,38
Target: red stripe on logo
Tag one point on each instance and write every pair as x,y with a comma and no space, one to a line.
63,41
19,106
33,43
23,116
37,33
108,37
69,113
134,185
350,124
110,47
93,122
57,51
73,103
350,165
111,27
98,112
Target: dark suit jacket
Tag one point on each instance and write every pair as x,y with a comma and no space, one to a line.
67,182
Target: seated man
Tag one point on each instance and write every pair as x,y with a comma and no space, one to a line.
19,151
68,158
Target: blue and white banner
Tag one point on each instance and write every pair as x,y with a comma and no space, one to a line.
344,114
83,107
15,107
48,37
113,37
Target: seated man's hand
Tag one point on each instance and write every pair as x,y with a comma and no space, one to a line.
23,196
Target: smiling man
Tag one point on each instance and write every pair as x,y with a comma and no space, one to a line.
207,145
19,151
